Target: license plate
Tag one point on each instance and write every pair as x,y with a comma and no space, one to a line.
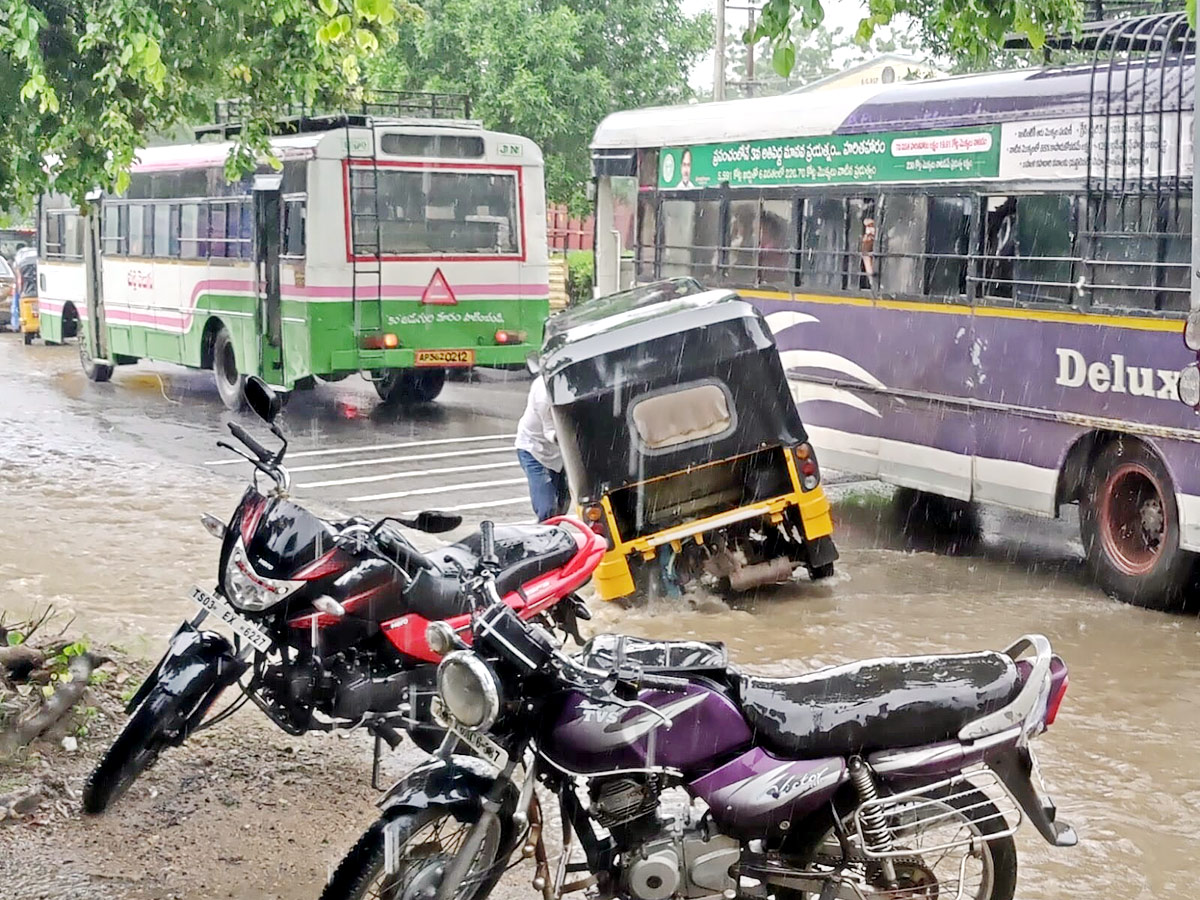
444,358
487,749
255,636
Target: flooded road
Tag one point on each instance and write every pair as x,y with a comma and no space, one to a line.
102,487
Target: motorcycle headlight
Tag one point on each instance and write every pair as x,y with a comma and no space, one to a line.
249,591
468,689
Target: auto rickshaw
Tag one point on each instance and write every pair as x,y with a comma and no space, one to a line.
26,296
682,442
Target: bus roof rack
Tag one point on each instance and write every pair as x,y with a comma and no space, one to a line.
1097,29
229,116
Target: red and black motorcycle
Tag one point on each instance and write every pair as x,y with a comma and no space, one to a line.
329,618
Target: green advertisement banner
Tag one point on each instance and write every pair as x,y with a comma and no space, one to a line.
956,155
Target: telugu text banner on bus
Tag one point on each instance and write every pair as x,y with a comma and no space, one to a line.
948,155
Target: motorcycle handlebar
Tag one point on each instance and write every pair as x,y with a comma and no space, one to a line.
487,545
246,438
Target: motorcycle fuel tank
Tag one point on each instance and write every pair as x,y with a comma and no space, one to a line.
684,731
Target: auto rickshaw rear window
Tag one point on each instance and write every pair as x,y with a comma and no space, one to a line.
682,415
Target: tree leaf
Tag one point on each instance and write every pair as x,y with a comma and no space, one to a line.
783,60
329,7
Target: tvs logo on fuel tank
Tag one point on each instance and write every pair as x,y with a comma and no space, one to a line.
1115,376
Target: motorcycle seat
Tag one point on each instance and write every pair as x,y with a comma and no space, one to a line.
875,704
525,552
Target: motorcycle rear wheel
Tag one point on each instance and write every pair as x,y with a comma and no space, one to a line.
422,850
921,877
134,751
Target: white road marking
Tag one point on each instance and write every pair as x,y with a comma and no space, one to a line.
445,489
390,476
369,448
358,463
468,506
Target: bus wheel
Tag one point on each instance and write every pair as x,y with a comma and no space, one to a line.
95,371
406,386
225,371
1129,524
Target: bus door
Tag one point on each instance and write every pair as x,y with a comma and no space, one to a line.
95,332
268,239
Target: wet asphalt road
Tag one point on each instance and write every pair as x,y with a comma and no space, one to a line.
103,485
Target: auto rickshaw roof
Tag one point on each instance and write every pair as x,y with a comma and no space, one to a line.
623,320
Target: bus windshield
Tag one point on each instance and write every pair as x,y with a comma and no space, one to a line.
422,211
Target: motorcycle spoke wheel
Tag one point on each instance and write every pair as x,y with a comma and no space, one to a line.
428,843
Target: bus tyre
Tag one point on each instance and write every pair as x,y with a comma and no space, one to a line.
407,386
1129,524
225,371
95,371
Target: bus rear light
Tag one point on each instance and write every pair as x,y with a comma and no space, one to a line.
510,337
381,342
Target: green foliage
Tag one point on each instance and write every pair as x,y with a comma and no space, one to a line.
85,83
581,275
14,638
954,29
550,69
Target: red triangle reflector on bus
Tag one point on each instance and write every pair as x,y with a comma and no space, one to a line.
438,291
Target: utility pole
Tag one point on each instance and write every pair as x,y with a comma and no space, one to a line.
719,55
750,49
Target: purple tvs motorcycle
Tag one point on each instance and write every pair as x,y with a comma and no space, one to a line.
679,777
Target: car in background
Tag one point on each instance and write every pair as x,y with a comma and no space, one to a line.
8,286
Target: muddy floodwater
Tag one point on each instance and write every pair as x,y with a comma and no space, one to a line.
104,526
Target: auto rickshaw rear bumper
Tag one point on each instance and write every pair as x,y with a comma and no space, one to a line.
614,576
30,322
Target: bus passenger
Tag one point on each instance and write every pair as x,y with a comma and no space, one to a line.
538,453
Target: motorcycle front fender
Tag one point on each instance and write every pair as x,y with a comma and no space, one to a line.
197,664
1014,767
459,784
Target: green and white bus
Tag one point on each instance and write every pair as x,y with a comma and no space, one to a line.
393,247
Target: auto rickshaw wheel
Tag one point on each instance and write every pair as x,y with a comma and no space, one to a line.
28,335
817,573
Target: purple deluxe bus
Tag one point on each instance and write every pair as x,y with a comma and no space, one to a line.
977,283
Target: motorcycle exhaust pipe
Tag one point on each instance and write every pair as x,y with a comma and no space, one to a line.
772,572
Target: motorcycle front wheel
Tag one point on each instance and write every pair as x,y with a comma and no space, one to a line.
427,841
147,733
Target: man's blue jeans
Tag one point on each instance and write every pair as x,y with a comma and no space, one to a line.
547,488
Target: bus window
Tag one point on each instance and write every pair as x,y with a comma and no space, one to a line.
690,234
823,243
293,228
774,243
947,247
245,230
999,247
1045,243
1175,241
137,229
216,229
111,231
742,241
162,229
647,231
900,265
189,231
860,267
438,212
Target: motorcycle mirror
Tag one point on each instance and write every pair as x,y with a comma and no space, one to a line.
263,401
1189,386
1191,331
434,522
533,364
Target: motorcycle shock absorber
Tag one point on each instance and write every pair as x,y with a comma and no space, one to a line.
876,833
